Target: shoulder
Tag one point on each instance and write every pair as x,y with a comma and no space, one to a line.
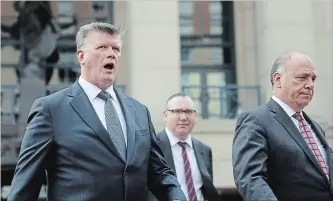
200,144
162,136
133,102
53,99
56,98
47,104
259,113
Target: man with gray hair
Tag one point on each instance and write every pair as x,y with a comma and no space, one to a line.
94,142
279,152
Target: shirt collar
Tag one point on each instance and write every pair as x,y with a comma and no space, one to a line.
92,91
174,139
290,112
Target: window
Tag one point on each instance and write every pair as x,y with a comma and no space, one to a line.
65,12
207,56
65,7
215,10
98,6
99,10
186,17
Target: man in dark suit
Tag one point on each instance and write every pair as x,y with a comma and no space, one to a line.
94,142
179,148
279,152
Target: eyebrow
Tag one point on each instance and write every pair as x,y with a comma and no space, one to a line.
100,44
309,75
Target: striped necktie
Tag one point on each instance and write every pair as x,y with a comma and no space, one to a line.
188,174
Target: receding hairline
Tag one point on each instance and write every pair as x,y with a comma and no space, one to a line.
292,55
178,95
282,61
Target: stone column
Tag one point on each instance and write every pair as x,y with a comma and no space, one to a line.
150,65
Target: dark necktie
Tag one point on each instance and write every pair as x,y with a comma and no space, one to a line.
188,174
113,124
310,141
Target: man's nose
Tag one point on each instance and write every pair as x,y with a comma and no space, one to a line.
111,54
310,84
183,116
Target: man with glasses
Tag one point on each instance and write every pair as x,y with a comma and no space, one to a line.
189,158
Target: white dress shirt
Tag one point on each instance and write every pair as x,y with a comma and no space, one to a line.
98,104
179,165
290,112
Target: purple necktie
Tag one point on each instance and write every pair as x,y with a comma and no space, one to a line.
188,174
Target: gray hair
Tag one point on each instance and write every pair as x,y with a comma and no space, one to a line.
279,64
278,67
82,34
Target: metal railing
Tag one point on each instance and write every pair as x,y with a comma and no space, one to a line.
223,102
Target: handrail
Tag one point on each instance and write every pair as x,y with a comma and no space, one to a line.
223,102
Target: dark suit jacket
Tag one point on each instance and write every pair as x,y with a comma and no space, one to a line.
203,155
65,137
271,160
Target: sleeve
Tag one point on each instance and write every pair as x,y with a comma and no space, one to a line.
35,148
249,159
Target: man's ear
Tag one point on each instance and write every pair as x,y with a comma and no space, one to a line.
195,118
277,80
80,56
165,116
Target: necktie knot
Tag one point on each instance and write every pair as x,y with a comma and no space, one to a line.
104,95
182,144
298,116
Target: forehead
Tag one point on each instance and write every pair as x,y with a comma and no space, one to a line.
180,102
98,37
302,65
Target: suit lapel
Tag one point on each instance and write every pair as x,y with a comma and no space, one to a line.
208,187
85,110
285,121
128,111
317,130
329,152
166,148
200,155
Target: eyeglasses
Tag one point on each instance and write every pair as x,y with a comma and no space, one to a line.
180,112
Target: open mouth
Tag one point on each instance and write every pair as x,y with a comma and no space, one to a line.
109,66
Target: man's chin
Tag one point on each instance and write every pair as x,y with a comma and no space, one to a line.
183,133
108,80
302,104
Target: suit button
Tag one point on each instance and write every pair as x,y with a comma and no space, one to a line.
125,174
